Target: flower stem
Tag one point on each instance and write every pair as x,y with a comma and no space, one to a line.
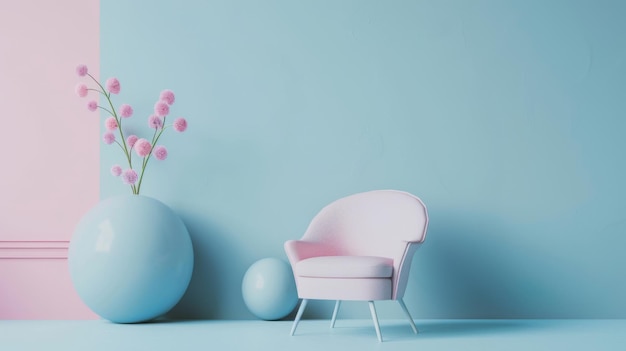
105,109
135,189
155,139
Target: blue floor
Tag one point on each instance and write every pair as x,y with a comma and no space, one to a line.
315,335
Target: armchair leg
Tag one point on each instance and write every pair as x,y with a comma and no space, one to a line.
299,315
406,311
332,321
375,318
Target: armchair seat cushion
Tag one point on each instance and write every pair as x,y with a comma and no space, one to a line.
345,267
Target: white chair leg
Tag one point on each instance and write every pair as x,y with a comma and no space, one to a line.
406,311
298,316
375,318
332,321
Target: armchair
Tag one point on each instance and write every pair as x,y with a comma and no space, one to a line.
359,247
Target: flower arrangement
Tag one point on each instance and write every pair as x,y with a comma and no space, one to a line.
114,133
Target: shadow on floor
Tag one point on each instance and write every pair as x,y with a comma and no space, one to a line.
400,331
464,328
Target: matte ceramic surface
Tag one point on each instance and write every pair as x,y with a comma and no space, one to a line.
131,259
269,289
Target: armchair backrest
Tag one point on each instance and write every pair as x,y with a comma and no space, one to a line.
386,223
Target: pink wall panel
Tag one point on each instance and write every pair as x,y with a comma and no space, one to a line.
50,141
39,289
49,144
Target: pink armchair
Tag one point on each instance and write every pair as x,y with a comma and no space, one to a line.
360,248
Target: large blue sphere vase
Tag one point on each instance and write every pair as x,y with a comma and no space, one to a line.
130,259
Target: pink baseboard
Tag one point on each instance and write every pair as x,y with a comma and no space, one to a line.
41,249
35,282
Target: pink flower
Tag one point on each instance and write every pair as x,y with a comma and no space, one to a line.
129,176
108,138
155,122
180,124
116,170
131,140
92,105
161,109
167,96
81,70
81,90
110,124
113,85
160,152
142,147
126,111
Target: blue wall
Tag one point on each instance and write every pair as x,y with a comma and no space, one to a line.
506,117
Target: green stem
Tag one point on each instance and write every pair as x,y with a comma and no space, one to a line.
105,109
97,82
155,139
113,112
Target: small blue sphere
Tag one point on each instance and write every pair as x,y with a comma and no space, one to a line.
130,259
269,289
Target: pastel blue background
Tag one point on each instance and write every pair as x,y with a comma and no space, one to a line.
506,117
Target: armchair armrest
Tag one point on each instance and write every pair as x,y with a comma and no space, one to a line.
298,250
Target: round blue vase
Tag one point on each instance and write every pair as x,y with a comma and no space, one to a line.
269,289
130,259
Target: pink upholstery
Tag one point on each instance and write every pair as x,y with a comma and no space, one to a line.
359,247
346,289
345,267
368,239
